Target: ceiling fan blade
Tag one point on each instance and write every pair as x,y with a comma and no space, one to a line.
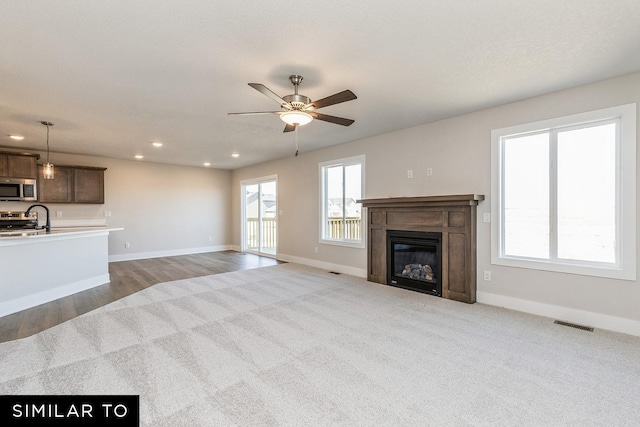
332,119
289,128
268,92
253,113
337,98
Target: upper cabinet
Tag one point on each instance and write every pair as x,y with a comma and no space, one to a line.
72,184
16,165
88,185
57,190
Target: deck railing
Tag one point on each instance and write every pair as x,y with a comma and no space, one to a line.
269,231
350,231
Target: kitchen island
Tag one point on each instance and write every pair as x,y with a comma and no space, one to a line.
38,267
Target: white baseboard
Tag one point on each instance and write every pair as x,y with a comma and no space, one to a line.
338,268
23,303
581,317
173,252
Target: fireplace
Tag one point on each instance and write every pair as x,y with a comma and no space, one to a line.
414,261
448,220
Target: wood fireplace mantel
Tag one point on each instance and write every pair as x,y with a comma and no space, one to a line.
454,216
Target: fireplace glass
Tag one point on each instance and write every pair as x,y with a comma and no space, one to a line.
413,261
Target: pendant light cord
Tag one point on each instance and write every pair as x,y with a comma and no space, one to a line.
47,143
47,124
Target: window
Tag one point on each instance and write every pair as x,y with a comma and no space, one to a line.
563,194
341,184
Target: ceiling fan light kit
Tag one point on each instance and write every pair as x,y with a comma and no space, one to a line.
296,118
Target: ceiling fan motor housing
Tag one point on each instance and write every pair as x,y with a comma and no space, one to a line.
297,101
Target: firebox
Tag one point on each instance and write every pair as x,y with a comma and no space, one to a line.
413,261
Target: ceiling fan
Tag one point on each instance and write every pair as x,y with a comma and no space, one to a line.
298,110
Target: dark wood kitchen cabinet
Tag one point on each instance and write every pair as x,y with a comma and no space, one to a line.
57,190
16,165
88,185
72,184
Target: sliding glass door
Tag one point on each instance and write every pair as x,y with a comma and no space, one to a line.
259,210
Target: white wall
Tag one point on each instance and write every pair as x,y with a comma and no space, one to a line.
459,151
164,209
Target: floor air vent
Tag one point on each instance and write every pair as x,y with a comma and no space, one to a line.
573,325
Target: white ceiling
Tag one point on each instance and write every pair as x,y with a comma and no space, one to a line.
113,76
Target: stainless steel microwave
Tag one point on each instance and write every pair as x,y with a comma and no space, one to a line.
18,189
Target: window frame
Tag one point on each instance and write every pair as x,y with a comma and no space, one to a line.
625,265
324,207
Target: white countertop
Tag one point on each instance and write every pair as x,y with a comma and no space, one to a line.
29,236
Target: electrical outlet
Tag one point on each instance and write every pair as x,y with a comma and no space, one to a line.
127,245
58,214
487,275
486,217
409,173
107,213
429,171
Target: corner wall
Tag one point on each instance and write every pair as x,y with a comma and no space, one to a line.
459,152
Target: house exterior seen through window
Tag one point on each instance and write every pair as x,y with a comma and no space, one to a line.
564,194
341,184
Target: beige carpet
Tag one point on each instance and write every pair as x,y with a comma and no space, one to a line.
292,345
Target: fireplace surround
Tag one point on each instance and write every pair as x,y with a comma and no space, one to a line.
452,216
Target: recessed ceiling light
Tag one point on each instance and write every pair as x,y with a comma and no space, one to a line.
139,156
157,144
236,155
207,164
16,137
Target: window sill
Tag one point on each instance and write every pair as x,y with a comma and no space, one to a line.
611,272
345,243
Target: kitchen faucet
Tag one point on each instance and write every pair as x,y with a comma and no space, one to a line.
47,227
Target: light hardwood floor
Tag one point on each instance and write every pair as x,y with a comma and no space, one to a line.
127,277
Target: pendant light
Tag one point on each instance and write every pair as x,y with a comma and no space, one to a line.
48,171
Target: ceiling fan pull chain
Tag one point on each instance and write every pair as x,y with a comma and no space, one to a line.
296,138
